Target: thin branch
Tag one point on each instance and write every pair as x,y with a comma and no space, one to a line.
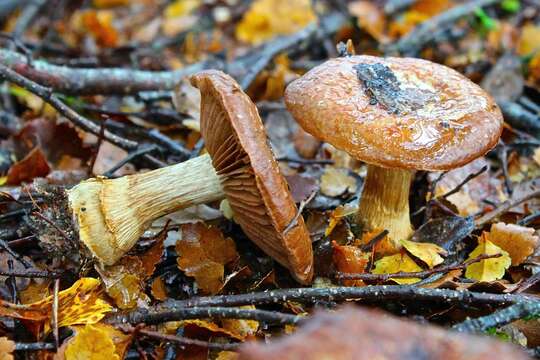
34,346
407,275
164,315
303,204
32,274
505,206
500,317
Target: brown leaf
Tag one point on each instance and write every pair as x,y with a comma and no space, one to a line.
7,347
159,292
518,241
336,182
202,253
350,259
32,166
370,18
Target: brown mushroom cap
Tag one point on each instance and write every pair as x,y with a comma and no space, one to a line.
256,190
437,120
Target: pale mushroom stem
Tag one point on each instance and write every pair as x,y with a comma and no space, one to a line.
384,204
112,214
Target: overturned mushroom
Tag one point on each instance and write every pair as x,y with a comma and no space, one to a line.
113,214
398,115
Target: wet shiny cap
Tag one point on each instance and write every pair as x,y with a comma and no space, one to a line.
396,112
257,192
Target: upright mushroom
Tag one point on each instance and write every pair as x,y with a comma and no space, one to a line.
398,115
113,214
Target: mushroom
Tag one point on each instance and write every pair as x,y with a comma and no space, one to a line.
398,115
112,214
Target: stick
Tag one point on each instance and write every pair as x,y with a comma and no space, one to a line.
164,315
505,206
423,33
500,317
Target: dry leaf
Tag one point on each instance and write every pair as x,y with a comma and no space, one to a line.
242,328
429,253
202,253
33,165
35,292
529,41
124,282
518,241
335,182
7,347
397,263
489,269
370,18
91,343
337,214
268,18
99,24
159,292
227,355
350,259
536,155
80,304
212,328
110,3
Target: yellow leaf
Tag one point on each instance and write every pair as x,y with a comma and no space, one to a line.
7,347
80,304
397,263
242,328
336,215
3,180
489,269
212,327
519,241
427,252
529,42
181,8
269,18
110,3
202,253
227,355
370,17
91,343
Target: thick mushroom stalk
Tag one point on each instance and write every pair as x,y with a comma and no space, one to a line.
386,207
112,214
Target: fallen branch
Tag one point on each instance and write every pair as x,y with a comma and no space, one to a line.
500,317
368,293
407,275
424,33
504,207
157,317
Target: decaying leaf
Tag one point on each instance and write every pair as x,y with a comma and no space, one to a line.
33,165
159,292
124,282
7,347
336,182
268,18
489,269
337,214
350,259
518,241
91,343
370,18
529,41
397,263
243,328
427,252
202,253
80,304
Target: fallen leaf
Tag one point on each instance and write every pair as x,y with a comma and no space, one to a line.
518,241
429,253
536,155
202,253
110,3
32,166
371,18
80,304
489,269
337,215
91,343
242,328
35,292
529,41
266,19
305,144
350,259
227,355
7,347
397,263
124,282
336,182
159,292
211,327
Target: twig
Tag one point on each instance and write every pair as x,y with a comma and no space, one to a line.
54,317
306,161
503,156
55,102
505,206
529,219
179,339
464,182
164,315
32,274
130,157
27,16
5,246
500,317
301,207
393,6
419,274
380,292
532,280
97,147
424,33
519,117
371,243
34,346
